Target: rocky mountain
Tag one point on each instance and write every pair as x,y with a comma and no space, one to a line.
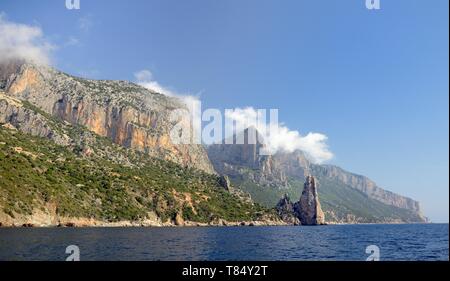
345,197
127,114
79,152
94,152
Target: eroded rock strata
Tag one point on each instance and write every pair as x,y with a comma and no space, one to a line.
129,115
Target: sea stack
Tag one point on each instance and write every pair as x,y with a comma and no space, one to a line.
308,209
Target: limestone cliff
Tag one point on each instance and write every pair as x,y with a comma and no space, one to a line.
237,159
15,113
126,113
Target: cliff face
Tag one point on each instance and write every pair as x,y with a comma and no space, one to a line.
14,113
128,114
308,209
346,197
237,159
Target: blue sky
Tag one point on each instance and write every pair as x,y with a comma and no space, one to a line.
374,82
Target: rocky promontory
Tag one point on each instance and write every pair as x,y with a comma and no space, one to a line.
307,211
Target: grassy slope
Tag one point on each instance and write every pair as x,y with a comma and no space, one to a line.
96,187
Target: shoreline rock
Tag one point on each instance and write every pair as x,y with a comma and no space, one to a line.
307,211
308,208
285,209
40,219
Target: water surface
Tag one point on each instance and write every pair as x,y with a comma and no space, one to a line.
332,242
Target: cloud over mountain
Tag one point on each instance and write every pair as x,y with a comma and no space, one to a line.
145,79
23,42
280,137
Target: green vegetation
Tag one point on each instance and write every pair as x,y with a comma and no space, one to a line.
342,200
268,196
336,198
35,172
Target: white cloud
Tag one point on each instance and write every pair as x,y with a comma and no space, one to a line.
281,138
145,79
23,42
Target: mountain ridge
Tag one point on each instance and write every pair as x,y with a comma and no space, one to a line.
101,119
57,168
268,177
128,114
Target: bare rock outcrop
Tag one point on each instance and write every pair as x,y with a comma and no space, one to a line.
308,209
285,210
126,113
243,151
224,181
13,113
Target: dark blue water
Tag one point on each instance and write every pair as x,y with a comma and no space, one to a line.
333,242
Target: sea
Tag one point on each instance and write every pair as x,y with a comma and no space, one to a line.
388,242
